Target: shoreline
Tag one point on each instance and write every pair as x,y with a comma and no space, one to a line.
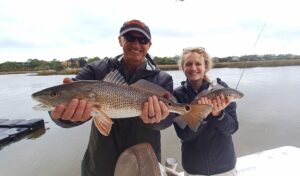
246,64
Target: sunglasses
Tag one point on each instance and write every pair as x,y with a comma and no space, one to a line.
141,40
194,49
199,50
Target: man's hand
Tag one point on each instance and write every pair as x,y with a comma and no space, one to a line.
75,111
154,111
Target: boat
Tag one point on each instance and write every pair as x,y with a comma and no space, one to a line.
275,162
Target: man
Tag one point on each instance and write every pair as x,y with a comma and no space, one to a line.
134,64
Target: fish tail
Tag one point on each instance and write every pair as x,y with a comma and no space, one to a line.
197,113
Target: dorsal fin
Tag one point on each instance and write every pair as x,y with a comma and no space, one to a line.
115,77
154,89
199,95
217,86
212,87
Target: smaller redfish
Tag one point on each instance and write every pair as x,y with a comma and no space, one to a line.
227,92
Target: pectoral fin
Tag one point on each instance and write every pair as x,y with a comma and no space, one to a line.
102,121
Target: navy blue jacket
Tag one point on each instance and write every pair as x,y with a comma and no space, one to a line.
210,150
103,151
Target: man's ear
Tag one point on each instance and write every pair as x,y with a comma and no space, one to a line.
121,41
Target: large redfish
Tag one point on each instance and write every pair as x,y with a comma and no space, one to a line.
113,98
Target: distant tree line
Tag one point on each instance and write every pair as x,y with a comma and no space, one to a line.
36,64
267,57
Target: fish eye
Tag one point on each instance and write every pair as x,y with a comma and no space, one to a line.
54,94
187,108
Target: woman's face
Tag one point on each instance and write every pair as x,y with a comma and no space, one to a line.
194,66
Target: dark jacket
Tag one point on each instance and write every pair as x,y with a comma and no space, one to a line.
102,152
210,150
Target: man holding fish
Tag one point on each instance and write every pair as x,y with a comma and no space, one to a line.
109,138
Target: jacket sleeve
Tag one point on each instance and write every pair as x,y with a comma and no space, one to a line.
227,123
167,83
66,123
187,134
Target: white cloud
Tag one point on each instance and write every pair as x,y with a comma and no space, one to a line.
63,29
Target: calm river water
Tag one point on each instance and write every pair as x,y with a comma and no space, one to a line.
268,115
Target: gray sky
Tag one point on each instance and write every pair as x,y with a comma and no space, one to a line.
61,29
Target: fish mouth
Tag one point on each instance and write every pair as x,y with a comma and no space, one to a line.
43,107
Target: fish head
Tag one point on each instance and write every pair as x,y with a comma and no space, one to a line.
61,94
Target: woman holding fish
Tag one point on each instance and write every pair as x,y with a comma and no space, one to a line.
208,150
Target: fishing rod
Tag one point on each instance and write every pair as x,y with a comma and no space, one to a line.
258,37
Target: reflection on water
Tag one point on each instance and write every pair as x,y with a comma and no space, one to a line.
268,116
36,134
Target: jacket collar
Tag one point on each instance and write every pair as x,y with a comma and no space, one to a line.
187,85
150,65
144,71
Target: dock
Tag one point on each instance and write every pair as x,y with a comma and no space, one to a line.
12,130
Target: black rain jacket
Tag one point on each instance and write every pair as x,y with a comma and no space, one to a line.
210,150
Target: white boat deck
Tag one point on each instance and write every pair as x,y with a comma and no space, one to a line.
280,161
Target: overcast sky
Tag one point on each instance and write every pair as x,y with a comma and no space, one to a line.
61,29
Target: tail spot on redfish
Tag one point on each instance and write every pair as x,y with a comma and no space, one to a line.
187,108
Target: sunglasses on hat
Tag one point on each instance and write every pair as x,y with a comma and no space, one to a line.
130,38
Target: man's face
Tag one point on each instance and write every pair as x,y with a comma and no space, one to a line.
135,47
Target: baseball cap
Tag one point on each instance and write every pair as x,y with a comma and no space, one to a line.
135,25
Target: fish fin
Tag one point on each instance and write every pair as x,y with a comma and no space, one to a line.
215,86
180,122
154,89
197,113
115,77
203,93
102,121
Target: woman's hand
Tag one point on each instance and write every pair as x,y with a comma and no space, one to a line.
219,103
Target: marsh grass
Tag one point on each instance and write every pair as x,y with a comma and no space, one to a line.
247,64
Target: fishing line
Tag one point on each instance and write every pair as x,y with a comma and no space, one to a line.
258,37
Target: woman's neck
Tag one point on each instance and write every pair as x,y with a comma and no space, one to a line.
196,85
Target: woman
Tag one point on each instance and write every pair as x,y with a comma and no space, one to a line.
209,150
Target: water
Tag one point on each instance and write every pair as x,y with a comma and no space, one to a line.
268,117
